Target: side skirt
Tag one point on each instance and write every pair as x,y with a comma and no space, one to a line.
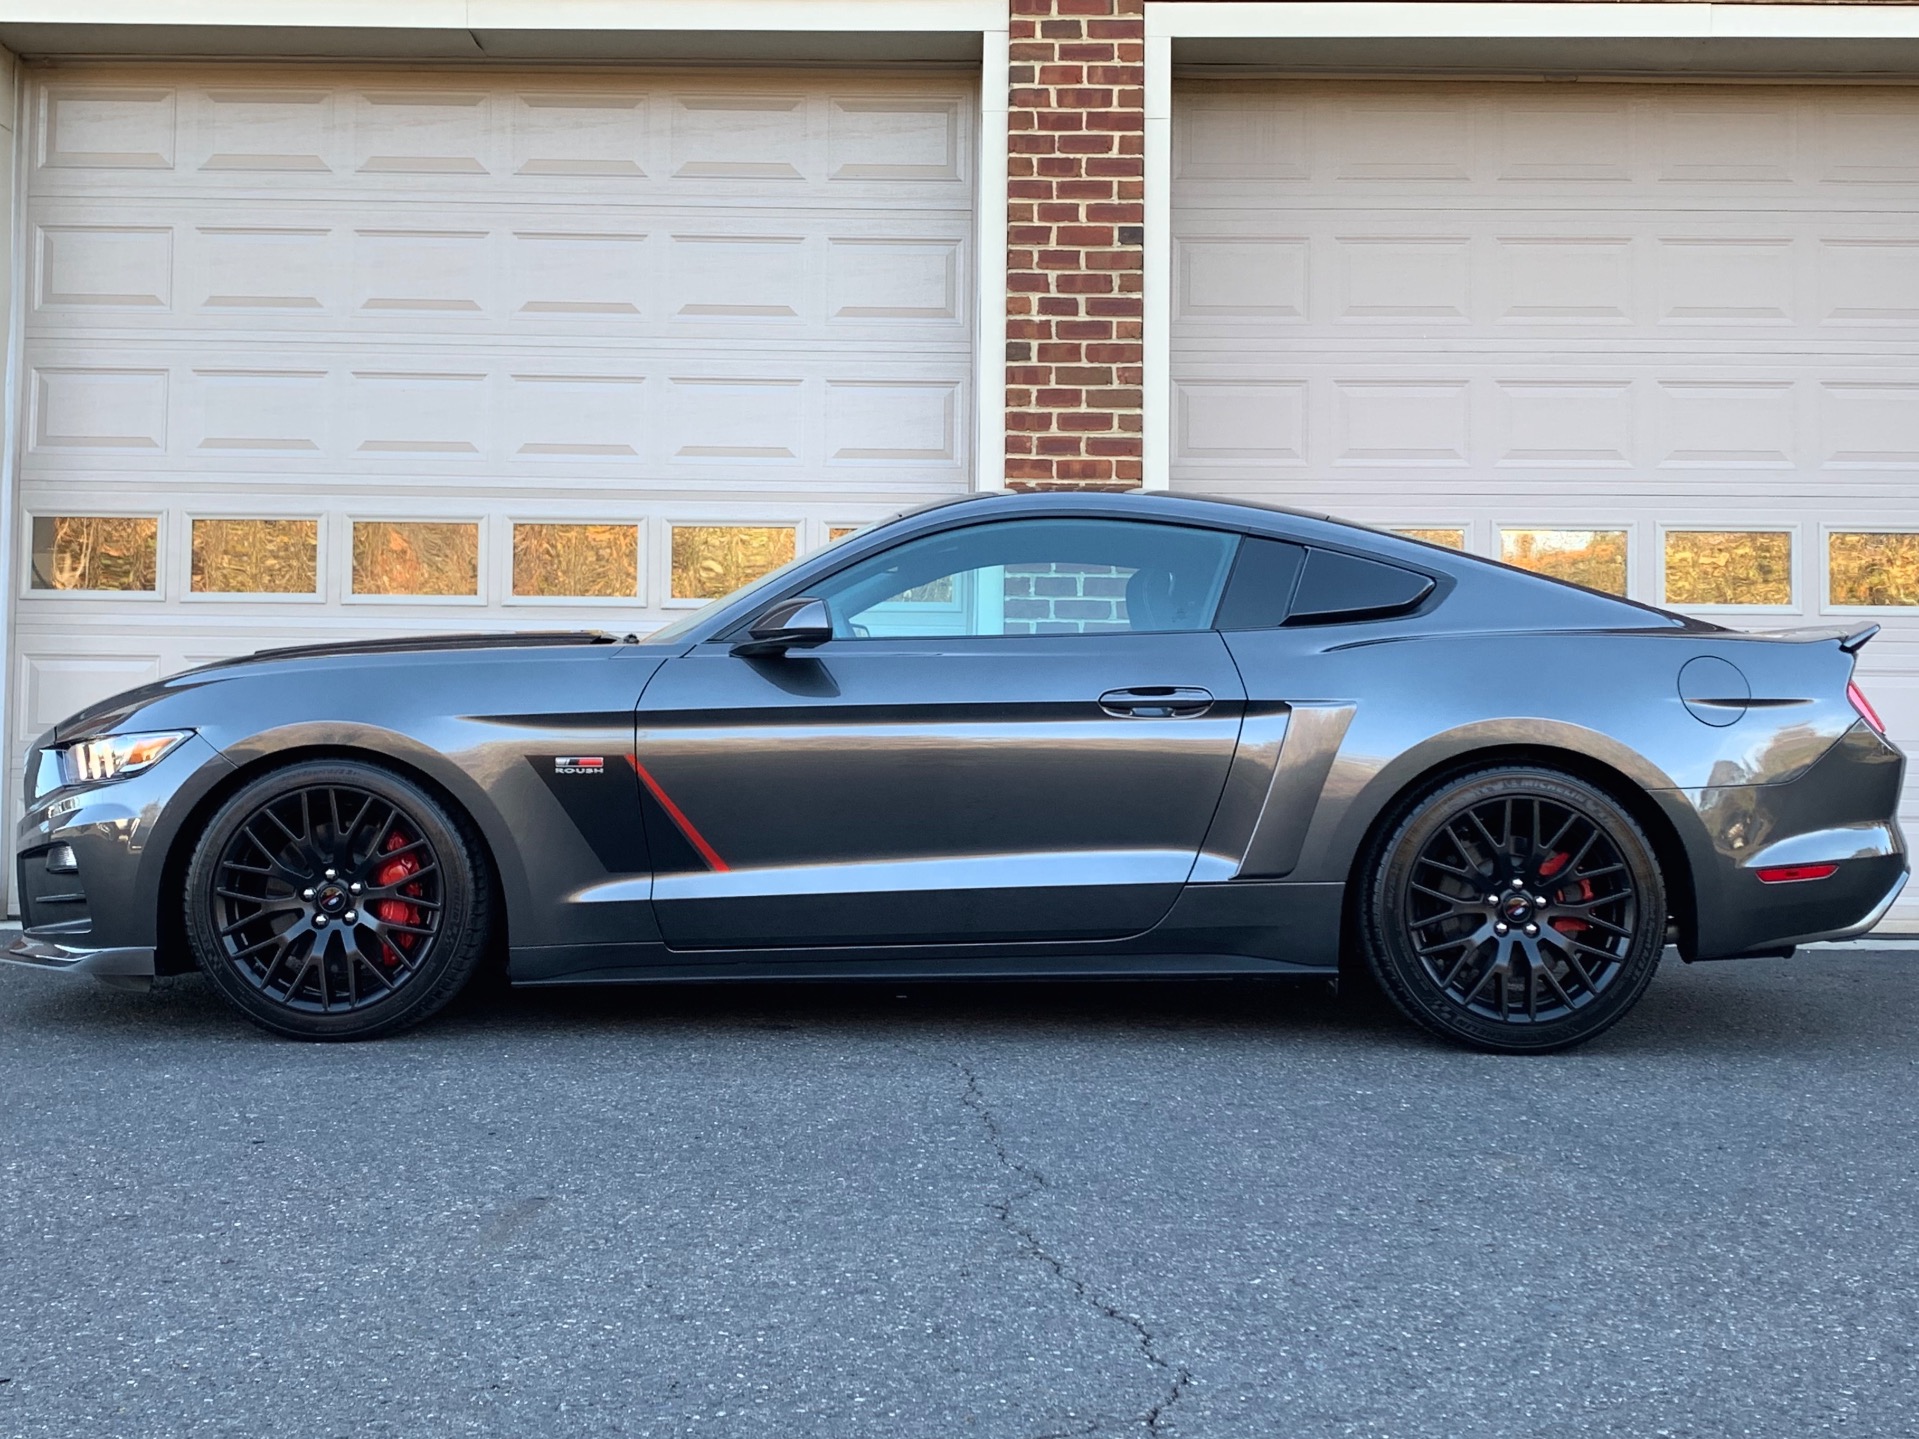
1131,966
1243,927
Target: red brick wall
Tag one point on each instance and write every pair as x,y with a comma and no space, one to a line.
1075,193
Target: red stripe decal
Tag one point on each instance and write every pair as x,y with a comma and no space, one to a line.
678,816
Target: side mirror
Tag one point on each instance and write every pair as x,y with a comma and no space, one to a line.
791,624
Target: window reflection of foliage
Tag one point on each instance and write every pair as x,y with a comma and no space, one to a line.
415,557
576,561
714,560
1872,568
95,552
1449,539
256,557
1728,567
1593,558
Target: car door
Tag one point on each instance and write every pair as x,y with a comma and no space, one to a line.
1019,730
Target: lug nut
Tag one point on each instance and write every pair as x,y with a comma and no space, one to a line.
332,873
1497,929
350,917
356,887
319,921
1539,901
1532,929
1490,899
306,894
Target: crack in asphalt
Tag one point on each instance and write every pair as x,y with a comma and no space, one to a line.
1031,1182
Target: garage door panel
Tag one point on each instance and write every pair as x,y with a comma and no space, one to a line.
807,274
214,129
1655,337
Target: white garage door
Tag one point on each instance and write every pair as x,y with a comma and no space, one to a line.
315,354
1661,339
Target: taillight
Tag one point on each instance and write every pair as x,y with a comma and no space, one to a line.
1864,706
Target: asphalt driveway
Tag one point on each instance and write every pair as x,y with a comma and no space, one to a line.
1227,1210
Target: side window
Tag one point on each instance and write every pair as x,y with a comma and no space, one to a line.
1035,577
1276,583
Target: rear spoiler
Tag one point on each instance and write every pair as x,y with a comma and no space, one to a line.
1851,640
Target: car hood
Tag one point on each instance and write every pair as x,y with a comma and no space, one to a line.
104,716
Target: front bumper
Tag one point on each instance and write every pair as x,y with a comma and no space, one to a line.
41,951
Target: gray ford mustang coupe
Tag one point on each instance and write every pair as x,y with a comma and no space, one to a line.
1009,735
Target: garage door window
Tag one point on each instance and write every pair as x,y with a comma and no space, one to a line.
415,558
573,561
1447,539
714,560
256,557
1593,558
102,553
1728,567
1872,567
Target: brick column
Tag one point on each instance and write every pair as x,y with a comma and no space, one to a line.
1076,207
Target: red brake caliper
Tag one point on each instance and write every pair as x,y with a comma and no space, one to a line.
398,911
1566,923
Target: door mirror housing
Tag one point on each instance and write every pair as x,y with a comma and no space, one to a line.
791,624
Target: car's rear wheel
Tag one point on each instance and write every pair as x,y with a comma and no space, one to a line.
1518,910
334,899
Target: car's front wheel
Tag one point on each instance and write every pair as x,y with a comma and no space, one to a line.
333,899
1517,909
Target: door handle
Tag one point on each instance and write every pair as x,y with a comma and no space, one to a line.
1157,702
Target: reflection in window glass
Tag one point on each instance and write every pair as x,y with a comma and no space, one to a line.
714,560
1036,577
95,552
1593,558
1866,567
835,533
256,557
415,557
1728,567
1448,539
576,561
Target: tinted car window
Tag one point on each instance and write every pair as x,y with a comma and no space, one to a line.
1035,577
1275,583
1261,590
1346,587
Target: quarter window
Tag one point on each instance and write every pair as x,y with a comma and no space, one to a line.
1036,577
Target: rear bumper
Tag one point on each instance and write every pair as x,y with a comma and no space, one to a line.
38,951
1837,815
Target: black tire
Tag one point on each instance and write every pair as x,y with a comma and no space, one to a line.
1453,928
334,899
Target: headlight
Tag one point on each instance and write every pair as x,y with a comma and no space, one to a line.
116,756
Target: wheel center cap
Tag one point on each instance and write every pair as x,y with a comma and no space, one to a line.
332,899
1516,909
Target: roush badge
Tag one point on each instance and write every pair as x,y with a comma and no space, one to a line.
579,764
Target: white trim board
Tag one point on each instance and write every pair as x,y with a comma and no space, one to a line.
1442,19
1642,39
781,31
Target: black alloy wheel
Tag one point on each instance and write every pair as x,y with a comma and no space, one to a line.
1517,910
335,899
